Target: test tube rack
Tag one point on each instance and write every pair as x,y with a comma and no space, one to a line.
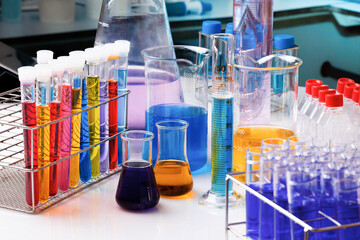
233,227
12,166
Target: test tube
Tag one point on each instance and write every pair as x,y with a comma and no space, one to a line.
222,120
253,156
65,126
113,105
85,163
77,66
27,84
122,72
43,80
55,113
104,109
92,69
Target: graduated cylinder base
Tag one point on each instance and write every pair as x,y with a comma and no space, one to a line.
211,199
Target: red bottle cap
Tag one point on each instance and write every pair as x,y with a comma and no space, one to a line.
311,82
334,100
356,94
323,93
341,84
348,90
315,90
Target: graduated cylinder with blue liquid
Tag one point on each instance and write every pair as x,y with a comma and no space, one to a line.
176,82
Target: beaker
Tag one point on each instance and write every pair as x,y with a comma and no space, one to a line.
137,185
145,24
264,108
177,88
172,170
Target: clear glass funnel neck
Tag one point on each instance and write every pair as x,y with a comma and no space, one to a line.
119,18
137,146
172,140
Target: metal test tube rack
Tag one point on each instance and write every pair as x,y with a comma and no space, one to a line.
12,167
307,228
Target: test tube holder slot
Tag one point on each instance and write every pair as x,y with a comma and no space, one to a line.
233,226
12,166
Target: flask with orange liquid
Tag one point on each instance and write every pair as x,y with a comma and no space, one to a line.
172,169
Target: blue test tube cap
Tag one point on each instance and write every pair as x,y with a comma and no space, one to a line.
259,33
248,40
211,27
284,41
229,28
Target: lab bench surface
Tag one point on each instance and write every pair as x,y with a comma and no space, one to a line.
94,214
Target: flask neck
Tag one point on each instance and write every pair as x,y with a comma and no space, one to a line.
172,144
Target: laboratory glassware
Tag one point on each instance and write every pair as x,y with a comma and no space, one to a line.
65,126
113,105
44,56
302,191
122,78
57,69
229,28
43,81
222,120
137,188
118,19
84,158
27,77
253,94
256,15
253,156
172,171
76,79
92,69
176,82
104,108
308,92
285,44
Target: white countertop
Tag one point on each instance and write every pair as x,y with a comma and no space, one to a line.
94,214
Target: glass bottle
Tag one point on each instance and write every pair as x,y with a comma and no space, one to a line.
137,185
172,169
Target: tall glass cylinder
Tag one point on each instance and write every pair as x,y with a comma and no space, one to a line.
137,188
176,84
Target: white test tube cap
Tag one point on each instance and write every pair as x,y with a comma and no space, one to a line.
44,56
43,72
124,46
113,50
57,67
77,64
102,53
91,56
77,53
26,74
65,60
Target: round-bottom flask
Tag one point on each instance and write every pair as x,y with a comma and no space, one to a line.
172,169
137,188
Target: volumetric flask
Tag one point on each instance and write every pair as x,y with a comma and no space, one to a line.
145,24
172,170
264,108
176,84
137,188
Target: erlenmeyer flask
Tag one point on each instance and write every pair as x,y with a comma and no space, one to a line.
145,24
172,170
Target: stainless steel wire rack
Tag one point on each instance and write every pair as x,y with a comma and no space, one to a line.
232,226
12,165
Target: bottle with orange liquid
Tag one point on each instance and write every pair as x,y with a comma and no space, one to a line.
172,171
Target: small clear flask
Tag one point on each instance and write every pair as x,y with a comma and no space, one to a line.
137,188
172,169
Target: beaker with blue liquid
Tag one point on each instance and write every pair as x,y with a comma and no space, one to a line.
177,88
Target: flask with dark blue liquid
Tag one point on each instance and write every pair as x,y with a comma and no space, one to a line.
137,188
